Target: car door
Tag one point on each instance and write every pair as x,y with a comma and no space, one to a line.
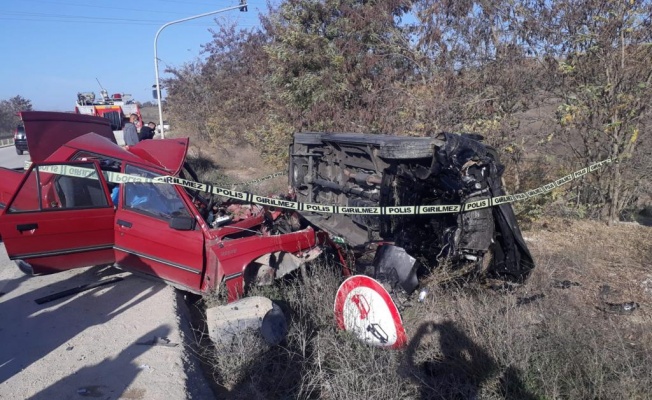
148,237
60,218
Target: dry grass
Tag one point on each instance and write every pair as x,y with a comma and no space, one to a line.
595,255
234,166
558,336
543,340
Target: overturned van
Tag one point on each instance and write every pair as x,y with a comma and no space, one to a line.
424,200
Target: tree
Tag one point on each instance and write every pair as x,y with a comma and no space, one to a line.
8,112
340,64
603,66
223,97
469,65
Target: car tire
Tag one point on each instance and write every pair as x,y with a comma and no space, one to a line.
19,151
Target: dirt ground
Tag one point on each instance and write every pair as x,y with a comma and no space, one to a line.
102,343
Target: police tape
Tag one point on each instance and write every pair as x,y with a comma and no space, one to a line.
120,178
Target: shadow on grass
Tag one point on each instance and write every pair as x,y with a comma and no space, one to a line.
201,163
461,369
207,170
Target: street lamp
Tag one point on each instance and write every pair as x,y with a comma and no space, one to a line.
241,7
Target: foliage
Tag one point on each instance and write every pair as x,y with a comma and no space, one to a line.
8,112
604,82
571,78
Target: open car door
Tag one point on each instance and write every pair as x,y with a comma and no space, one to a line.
157,233
60,217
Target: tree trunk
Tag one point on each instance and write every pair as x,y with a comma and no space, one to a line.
614,195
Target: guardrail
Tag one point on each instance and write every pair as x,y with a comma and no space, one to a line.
6,142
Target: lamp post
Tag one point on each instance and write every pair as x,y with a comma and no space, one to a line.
241,7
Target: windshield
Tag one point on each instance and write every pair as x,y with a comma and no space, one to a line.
155,199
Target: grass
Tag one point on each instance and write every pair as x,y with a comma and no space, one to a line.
558,336
542,340
220,166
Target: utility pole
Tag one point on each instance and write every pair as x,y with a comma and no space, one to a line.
241,7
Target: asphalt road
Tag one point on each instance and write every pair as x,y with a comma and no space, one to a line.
9,158
92,344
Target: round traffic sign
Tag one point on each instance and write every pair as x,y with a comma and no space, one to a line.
363,307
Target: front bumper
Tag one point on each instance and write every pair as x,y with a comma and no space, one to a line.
21,144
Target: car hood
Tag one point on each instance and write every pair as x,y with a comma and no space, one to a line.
164,154
168,153
47,131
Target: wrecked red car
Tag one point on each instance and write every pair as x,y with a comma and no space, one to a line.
52,221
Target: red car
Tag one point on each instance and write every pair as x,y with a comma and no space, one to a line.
52,221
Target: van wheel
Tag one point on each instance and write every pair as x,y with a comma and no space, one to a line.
19,151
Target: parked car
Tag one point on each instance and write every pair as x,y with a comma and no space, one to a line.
20,139
166,126
59,214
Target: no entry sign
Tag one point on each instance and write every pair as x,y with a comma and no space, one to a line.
363,307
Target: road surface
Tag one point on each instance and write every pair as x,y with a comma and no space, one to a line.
9,158
88,345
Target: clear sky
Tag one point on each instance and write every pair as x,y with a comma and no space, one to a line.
52,49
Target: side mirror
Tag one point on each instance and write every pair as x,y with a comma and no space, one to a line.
182,223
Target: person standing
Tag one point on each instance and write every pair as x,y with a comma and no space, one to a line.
148,131
130,132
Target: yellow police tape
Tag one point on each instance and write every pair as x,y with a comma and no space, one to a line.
116,177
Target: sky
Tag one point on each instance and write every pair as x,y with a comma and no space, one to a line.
53,49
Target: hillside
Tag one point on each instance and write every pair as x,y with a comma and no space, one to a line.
580,327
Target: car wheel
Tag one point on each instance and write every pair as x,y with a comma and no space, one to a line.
19,151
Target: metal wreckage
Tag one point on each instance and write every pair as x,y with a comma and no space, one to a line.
424,186
403,205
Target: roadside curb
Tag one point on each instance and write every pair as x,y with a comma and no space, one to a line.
6,142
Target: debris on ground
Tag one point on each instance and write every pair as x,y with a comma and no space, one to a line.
619,308
159,341
565,284
250,313
626,307
521,301
78,289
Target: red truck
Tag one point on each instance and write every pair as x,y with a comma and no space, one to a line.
52,221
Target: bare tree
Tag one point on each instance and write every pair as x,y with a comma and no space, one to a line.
604,74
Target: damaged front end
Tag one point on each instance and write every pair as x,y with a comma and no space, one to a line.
443,173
